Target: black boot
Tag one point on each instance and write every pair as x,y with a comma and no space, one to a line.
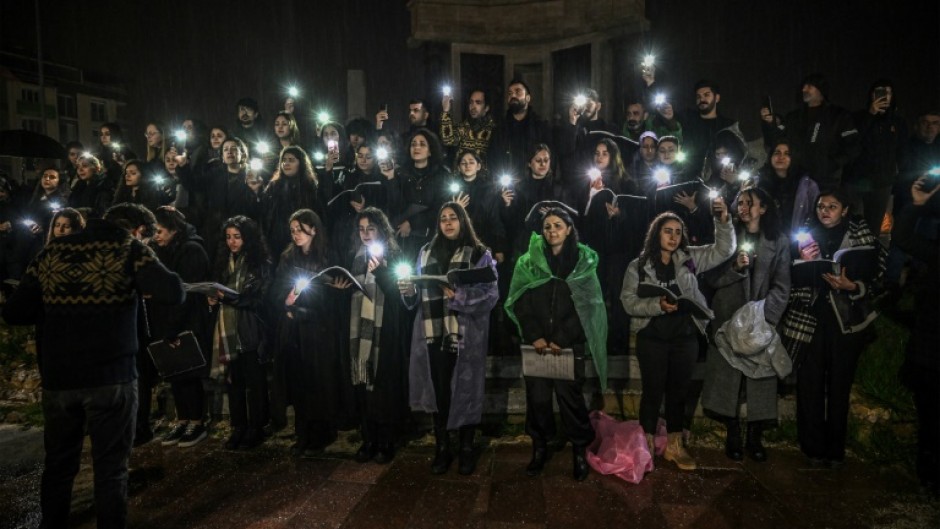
755,445
540,456
733,448
466,458
442,457
366,452
581,468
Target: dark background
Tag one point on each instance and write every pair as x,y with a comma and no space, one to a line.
188,58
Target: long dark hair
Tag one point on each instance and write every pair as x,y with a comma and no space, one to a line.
615,169
467,236
377,218
770,219
306,173
254,248
307,217
75,219
651,247
435,148
147,188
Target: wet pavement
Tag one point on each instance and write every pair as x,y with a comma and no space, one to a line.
208,487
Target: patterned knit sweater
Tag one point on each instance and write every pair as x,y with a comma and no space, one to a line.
81,291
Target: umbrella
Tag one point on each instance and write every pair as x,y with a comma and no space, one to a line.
26,144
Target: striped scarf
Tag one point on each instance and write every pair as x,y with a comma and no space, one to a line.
225,343
365,322
798,324
439,321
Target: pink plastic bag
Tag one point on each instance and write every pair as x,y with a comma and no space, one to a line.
619,448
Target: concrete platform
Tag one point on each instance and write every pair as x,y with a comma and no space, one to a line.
209,487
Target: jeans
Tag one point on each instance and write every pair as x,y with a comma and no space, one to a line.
110,414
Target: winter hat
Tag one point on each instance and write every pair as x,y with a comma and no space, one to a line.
819,81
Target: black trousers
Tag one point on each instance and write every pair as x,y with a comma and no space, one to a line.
247,392
824,381
442,373
666,371
540,415
189,398
109,413
147,378
923,384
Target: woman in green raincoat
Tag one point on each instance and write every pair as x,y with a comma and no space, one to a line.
555,299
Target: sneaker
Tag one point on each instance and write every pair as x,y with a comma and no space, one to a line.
195,434
174,435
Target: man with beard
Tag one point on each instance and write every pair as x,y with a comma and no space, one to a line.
638,120
248,128
474,132
521,129
701,125
823,134
418,117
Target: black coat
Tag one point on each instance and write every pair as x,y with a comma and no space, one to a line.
94,194
881,139
484,209
187,258
279,201
512,140
825,138
527,192
308,354
253,321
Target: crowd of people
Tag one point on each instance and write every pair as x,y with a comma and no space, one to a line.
362,273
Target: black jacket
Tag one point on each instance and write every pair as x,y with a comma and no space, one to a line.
94,194
881,139
185,256
824,138
547,311
512,140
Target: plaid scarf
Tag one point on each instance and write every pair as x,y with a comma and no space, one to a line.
799,323
439,321
225,343
365,322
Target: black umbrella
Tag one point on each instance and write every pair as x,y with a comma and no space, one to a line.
25,144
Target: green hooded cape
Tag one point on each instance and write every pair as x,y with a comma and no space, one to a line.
532,271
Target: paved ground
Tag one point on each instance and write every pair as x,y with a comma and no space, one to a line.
206,486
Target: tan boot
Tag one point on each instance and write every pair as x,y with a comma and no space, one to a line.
676,453
651,443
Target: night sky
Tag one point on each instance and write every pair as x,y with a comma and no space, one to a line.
181,58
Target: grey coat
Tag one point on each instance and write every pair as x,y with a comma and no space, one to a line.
688,262
770,282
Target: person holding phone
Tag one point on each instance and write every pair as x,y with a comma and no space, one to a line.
825,344
759,270
556,302
380,338
882,133
667,335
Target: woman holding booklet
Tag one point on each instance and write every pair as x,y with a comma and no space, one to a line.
555,299
450,333
661,293
821,328
243,266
